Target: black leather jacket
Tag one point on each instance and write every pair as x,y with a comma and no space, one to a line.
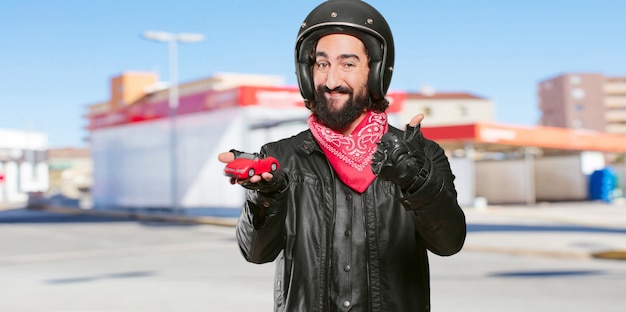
388,233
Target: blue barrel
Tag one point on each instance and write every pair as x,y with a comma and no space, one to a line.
601,185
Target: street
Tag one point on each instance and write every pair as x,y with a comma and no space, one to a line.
55,262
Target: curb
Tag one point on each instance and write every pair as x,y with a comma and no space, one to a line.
555,218
610,255
139,216
529,252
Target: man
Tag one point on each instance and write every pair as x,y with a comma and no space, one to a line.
357,203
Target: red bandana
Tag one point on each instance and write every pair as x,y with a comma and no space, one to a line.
351,155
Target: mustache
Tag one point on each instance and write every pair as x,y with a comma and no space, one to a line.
340,89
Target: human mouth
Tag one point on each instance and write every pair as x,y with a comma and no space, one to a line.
335,94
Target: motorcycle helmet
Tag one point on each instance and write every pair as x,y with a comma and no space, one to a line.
352,17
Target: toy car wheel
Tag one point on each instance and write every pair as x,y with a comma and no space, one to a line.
251,172
274,166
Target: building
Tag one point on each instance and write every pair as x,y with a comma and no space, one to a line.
447,108
148,156
508,164
23,164
70,171
584,101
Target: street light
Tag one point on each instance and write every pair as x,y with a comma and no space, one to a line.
172,40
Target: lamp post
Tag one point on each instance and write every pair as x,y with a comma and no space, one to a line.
172,40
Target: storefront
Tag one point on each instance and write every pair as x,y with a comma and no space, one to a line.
148,158
510,164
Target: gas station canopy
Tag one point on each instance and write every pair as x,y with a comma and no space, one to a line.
499,137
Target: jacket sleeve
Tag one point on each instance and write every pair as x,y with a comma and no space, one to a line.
260,229
440,219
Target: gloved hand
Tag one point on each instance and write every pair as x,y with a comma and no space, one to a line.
401,160
277,183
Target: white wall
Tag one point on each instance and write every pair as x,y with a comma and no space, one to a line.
23,164
502,181
464,172
132,162
551,178
449,111
560,178
10,188
131,165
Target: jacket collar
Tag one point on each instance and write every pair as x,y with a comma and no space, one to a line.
309,145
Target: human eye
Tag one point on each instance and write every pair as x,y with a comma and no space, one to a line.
348,66
322,66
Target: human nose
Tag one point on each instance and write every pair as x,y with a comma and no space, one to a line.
333,78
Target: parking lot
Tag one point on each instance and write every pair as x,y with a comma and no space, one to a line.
60,262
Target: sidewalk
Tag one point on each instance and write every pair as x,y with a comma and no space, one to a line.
9,206
592,214
571,230
566,230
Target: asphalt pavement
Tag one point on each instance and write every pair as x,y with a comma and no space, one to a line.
562,229
516,258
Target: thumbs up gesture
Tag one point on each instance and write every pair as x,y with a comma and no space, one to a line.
400,160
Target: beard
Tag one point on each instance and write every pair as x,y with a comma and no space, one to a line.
339,119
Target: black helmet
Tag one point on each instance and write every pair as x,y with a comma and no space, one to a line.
353,17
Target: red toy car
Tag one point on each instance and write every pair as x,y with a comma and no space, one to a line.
247,165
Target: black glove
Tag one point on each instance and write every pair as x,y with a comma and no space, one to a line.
278,183
401,161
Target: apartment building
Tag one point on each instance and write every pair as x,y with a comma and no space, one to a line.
590,101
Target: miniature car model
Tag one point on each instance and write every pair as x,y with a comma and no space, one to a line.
247,165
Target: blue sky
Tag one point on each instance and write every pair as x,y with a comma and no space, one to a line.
57,56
